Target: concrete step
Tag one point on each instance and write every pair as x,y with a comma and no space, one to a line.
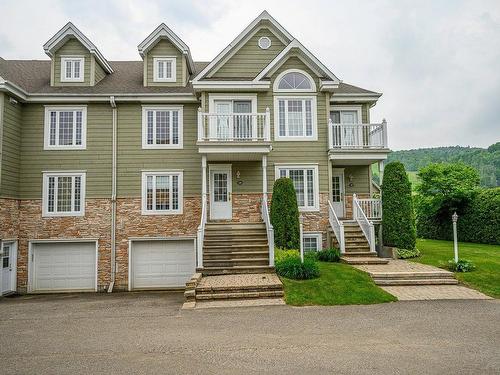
234,226
239,288
234,247
231,263
235,239
357,249
240,295
363,260
412,275
360,254
234,254
206,271
229,234
415,281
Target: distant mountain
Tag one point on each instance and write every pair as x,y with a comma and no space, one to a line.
485,160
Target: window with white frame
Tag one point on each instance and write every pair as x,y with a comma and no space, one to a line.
295,118
65,128
162,192
162,127
63,193
164,69
312,241
305,181
72,69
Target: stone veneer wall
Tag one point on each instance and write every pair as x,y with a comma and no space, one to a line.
9,218
95,224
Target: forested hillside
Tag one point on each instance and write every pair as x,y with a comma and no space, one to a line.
485,160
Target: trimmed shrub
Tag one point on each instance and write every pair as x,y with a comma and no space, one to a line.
407,254
462,265
311,255
284,214
282,254
329,255
398,219
293,268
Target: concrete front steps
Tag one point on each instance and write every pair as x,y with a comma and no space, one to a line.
413,278
235,248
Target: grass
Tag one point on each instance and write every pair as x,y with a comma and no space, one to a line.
339,284
486,258
412,176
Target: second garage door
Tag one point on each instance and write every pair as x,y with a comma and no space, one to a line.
161,264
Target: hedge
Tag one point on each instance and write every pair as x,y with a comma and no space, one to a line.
398,218
284,214
479,223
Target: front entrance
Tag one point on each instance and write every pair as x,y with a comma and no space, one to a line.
220,192
338,192
8,267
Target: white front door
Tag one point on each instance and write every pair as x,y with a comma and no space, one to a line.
8,267
338,192
220,192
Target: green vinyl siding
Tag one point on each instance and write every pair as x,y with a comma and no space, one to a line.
359,177
298,152
133,159
99,72
95,160
164,49
11,142
72,48
250,59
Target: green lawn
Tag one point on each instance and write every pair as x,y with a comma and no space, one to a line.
339,284
412,176
486,258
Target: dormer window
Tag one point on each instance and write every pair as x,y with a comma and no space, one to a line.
72,69
164,69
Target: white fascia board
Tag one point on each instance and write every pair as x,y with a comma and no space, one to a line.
207,85
71,30
13,89
278,60
164,31
263,16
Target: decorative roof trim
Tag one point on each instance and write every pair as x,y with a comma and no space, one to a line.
264,16
163,31
70,30
281,59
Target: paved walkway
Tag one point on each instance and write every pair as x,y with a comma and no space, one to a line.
405,270
428,292
240,280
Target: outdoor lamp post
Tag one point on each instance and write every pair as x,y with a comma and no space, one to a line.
301,233
454,218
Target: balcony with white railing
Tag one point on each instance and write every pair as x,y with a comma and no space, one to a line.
235,133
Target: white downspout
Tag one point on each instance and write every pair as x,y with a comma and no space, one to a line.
113,197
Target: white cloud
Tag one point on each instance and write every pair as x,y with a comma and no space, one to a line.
437,62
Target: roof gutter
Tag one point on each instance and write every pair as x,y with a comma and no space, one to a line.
113,194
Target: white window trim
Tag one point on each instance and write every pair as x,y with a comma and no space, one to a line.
340,108
231,97
46,142
277,168
169,172
317,235
45,195
314,117
282,74
63,69
154,146
173,61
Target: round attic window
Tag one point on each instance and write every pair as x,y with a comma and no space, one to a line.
264,42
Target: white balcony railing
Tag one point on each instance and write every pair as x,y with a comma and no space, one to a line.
372,208
234,127
364,223
357,136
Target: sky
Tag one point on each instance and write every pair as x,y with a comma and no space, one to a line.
436,62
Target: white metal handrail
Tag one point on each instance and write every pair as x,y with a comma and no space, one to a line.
201,232
356,136
269,228
371,207
337,226
363,222
234,127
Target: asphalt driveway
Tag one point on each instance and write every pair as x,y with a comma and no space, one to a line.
144,333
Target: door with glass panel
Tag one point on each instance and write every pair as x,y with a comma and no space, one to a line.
338,192
8,267
220,192
350,133
232,120
242,125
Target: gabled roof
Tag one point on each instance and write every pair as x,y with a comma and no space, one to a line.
71,31
307,57
264,17
163,31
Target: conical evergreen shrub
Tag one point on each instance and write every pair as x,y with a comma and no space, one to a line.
284,214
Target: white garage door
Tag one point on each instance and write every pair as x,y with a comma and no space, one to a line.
162,264
64,266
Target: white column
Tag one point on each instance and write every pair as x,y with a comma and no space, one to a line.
381,170
204,175
264,175
201,131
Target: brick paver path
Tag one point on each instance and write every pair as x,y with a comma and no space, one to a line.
425,292
399,265
239,280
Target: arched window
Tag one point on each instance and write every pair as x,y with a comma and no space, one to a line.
294,80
